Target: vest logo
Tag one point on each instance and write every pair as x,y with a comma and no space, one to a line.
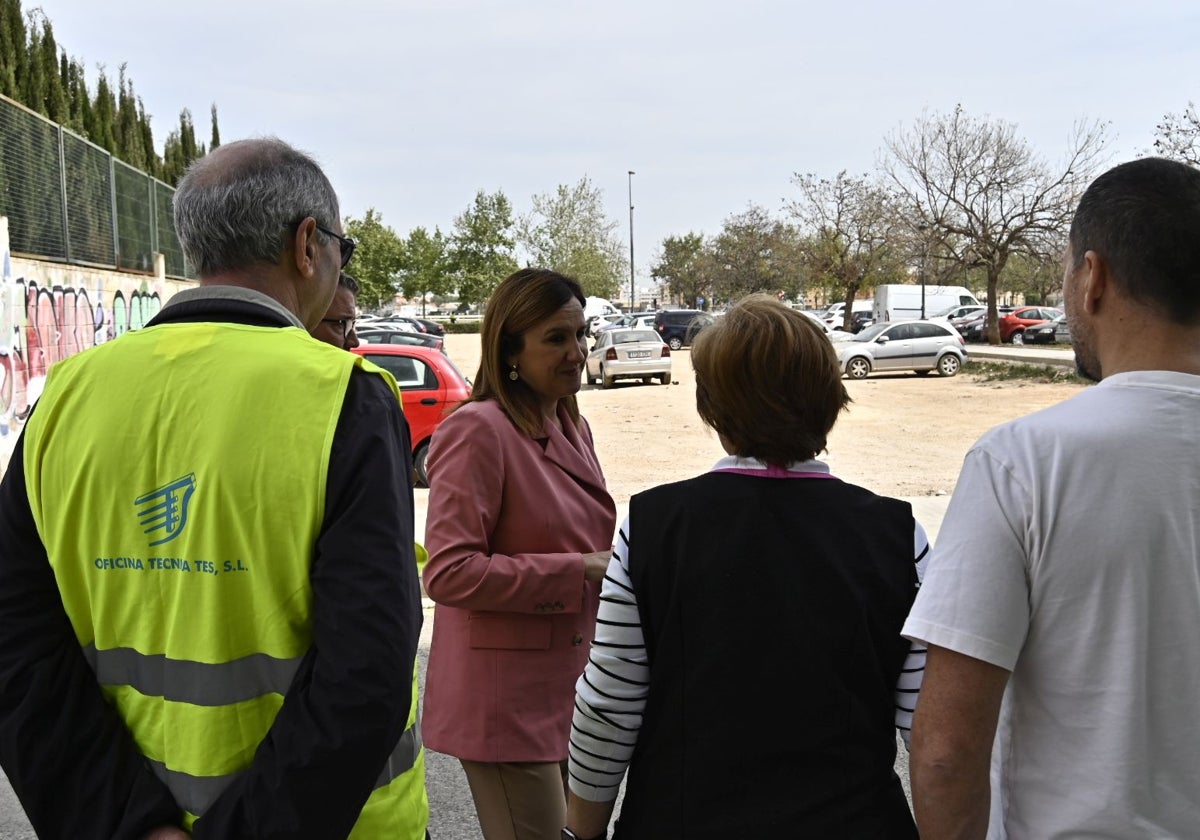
166,509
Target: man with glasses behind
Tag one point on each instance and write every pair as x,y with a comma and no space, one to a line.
337,327
210,609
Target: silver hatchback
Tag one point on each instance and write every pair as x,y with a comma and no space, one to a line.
902,345
628,354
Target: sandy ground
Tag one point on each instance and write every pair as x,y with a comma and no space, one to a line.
903,435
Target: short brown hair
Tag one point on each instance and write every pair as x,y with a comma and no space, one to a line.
522,300
768,380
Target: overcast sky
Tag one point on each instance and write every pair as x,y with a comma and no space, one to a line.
412,107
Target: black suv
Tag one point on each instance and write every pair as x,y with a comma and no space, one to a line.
679,327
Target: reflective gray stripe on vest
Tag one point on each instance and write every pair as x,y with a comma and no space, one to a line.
198,683
196,794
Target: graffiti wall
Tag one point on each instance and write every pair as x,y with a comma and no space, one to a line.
49,311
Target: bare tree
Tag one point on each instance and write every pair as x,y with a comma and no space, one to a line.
1178,136
982,191
856,238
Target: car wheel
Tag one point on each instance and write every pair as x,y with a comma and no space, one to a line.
419,464
675,342
858,368
665,378
606,381
949,364
1018,337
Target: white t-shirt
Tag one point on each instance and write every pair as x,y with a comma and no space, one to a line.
1070,555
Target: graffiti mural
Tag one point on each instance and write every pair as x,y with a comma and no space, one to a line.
41,324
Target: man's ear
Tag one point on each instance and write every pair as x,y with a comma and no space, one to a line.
304,247
1095,281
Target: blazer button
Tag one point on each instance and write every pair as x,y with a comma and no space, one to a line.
578,640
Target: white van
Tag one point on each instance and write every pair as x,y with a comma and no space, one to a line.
902,302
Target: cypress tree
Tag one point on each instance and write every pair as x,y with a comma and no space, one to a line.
56,96
187,137
34,92
153,162
215,140
13,49
105,111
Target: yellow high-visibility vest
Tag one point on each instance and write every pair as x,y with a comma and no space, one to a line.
180,521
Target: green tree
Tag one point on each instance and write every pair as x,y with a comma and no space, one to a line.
14,56
481,247
104,113
856,238
215,140
377,260
685,266
568,232
425,265
755,252
54,102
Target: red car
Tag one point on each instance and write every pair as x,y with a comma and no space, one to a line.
1012,326
430,384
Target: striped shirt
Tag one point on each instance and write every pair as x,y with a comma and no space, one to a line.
610,696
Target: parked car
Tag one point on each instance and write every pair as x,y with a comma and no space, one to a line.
373,335
974,327
921,346
431,386
1014,324
416,323
962,312
1048,333
679,327
597,322
835,314
815,317
1062,333
642,320
431,327
628,354
858,322
386,324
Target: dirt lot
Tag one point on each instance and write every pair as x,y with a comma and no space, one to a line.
902,436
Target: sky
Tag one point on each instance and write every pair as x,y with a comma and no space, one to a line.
412,107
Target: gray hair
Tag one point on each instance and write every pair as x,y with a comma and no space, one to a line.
237,205
348,282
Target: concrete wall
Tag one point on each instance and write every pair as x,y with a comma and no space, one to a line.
49,311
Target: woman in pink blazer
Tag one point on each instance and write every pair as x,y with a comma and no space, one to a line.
519,533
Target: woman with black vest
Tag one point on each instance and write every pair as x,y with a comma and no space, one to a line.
748,669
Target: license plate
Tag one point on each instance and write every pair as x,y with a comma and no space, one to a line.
639,354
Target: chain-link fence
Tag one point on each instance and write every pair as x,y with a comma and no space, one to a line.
68,199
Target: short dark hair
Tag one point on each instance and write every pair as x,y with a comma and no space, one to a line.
523,300
1143,218
348,282
768,380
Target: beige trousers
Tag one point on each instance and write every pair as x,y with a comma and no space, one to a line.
519,801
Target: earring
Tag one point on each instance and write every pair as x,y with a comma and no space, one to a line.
513,375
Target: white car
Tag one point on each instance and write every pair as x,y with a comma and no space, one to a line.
628,354
921,346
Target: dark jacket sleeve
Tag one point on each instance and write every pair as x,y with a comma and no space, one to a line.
350,701
68,756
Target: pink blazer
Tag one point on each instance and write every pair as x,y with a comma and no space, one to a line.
509,517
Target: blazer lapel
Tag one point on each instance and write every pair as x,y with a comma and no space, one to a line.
569,454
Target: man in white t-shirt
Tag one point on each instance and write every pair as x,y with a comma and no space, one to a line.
1062,603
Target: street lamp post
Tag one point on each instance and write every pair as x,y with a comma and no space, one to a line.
632,305
924,258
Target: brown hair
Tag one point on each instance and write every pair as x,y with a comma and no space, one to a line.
768,380
522,301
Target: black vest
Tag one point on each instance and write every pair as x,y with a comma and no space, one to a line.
772,610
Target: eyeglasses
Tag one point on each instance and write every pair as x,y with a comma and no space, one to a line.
344,242
344,324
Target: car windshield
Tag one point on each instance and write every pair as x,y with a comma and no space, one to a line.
630,336
870,333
